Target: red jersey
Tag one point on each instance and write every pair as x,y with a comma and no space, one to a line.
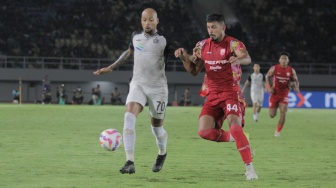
281,78
220,76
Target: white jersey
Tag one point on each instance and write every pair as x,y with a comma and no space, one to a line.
150,54
257,82
257,87
149,82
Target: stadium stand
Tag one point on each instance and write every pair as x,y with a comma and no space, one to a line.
85,29
304,28
102,28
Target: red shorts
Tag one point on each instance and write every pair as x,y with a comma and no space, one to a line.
221,105
274,100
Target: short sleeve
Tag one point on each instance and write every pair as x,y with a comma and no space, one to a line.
131,43
271,71
236,45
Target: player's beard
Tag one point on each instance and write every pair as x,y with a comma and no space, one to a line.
149,31
214,38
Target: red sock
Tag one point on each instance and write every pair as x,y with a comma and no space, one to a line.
242,143
217,135
279,127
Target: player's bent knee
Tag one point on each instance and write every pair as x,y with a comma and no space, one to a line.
206,134
272,113
203,133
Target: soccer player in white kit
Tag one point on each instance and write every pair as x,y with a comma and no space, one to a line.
148,85
257,81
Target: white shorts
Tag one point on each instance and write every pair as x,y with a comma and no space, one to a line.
257,97
156,97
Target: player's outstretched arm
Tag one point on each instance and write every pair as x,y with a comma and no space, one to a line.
191,63
268,76
247,83
268,86
265,86
124,57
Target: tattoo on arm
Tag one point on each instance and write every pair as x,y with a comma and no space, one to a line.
124,57
267,81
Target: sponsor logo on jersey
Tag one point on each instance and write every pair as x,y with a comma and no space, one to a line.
215,68
156,40
218,62
139,47
216,65
282,79
222,52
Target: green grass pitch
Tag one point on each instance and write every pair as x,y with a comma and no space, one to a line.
56,146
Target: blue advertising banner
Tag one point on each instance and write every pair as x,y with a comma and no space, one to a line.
308,99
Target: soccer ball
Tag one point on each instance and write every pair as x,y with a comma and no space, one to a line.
110,139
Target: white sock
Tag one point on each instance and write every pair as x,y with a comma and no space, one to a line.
129,135
161,139
249,167
254,117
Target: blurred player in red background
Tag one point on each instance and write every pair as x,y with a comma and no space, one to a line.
282,74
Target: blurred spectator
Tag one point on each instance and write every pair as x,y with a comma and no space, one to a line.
45,83
16,96
116,97
96,95
61,96
186,101
46,96
46,90
77,96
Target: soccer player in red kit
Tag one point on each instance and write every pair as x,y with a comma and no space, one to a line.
282,74
222,56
